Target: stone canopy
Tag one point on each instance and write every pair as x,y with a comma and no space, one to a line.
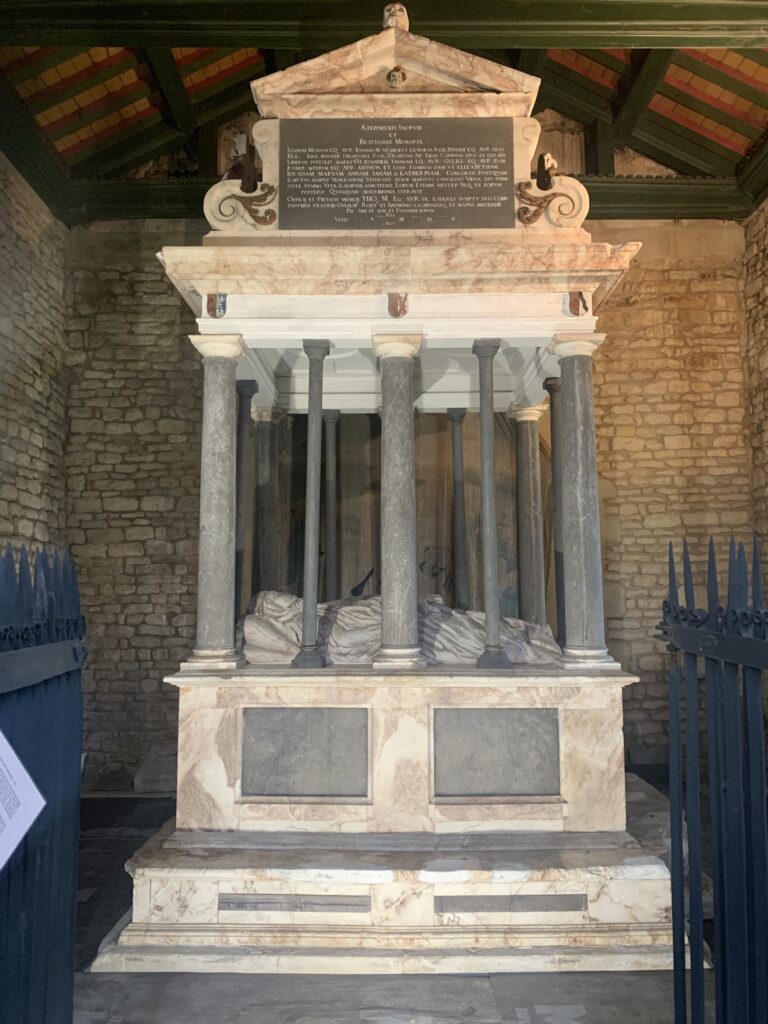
363,71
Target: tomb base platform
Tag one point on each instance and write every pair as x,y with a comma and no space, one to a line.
405,903
361,821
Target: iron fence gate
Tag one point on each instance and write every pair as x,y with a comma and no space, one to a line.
41,655
718,789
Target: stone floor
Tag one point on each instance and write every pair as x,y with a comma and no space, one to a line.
113,827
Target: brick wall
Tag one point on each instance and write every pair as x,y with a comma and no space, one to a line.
133,473
756,303
33,381
672,445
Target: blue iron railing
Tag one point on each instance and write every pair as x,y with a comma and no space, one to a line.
725,759
41,655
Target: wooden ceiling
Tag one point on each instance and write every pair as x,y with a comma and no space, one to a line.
82,108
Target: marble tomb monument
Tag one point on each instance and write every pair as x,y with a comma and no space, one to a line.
390,811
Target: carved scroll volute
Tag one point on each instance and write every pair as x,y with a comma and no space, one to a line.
228,208
565,206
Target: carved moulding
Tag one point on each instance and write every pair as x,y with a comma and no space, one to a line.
565,205
227,208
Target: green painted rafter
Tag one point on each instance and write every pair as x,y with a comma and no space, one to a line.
30,152
142,145
599,148
642,83
753,171
323,24
168,78
675,147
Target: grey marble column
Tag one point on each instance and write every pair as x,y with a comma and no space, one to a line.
582,560
331,419
246,389
531,580
215,643
460,564
309,656
494,655
552,384
399,588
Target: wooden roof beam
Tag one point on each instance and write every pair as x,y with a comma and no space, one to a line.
27,148
308,25
172,89
752,174
641,85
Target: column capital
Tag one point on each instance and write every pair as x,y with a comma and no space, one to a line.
387,346
573,343
247,388
528,413
486,347
317,348
331,415
552,385
218,346
456,415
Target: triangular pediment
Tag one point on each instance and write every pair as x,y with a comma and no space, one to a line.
420,65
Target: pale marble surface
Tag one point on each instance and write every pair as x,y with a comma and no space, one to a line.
624,918
401,787
358,72
370,265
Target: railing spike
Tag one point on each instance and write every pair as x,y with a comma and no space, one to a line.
713,597
757,576
26,595
690,600
58,586
742,578
731,594
673,595
8,588
74,587
41,586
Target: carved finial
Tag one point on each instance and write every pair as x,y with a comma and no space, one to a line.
545,168
396,16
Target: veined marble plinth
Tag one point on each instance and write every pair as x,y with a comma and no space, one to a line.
395,877
408,720
393,904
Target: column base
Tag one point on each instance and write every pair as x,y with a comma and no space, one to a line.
308,657
588,657
399,657
493,657
213,660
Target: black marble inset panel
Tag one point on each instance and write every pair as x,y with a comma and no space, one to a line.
305,752
545,903
496,752
364,173
299,903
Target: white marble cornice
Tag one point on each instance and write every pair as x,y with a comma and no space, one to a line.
375,265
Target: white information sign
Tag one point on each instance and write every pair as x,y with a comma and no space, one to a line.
20,801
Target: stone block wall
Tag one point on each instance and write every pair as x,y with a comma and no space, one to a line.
673,452
34,377
756,304
133,473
